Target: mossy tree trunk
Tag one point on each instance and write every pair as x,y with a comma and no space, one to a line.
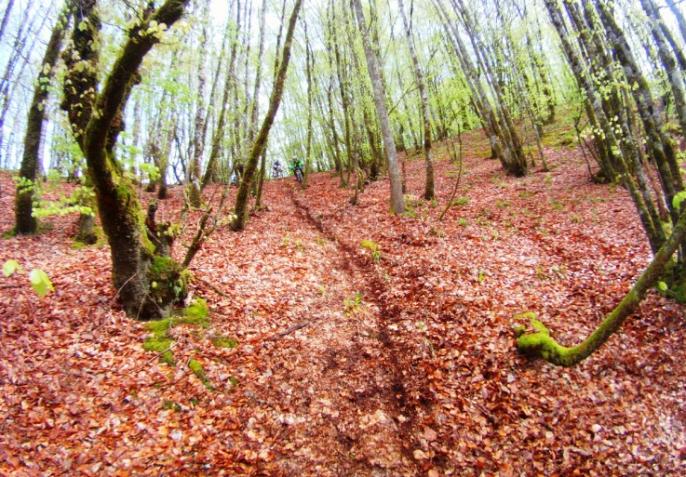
260,143
147,280
541,345
25,223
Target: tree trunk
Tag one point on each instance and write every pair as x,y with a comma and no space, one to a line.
25,223
147,280
676,11
397,201
194,186
309,65
424,105
260,142
6,17
345,100
229,83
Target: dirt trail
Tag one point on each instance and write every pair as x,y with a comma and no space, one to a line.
328,397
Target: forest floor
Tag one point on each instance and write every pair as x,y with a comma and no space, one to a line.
397,364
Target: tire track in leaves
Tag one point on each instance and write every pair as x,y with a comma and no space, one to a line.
403,401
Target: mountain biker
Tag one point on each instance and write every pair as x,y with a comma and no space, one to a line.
276,169
297,170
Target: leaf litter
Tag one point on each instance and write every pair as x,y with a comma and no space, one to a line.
401,363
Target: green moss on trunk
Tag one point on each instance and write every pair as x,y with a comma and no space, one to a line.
539,343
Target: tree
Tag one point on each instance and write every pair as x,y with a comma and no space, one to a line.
598,33
147,279
397,202
259,145
25,223
194,186
423,103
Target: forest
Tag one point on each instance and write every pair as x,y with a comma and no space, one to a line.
342,237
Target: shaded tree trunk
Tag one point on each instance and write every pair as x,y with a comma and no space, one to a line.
25,223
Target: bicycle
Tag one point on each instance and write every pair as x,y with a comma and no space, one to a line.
299,175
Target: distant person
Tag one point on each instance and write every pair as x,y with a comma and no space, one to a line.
298,170
276,169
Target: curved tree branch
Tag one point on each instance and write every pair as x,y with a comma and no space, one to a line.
540,344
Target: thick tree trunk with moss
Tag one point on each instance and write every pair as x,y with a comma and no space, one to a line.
25,223
541,345
147,280
258,147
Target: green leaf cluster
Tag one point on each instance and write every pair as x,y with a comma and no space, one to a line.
39,280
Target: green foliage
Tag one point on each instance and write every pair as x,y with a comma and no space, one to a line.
557,205
160,340
40,282
353,304
481,277
161,344
412,200
25,186
679,199
54,176
77,202
168,281
9,267
171,406
151,171
196,367
460,201
159,327
373,248
197,313
220,341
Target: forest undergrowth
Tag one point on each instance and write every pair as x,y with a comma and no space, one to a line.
365,343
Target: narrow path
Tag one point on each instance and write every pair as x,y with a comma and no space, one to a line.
325,395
